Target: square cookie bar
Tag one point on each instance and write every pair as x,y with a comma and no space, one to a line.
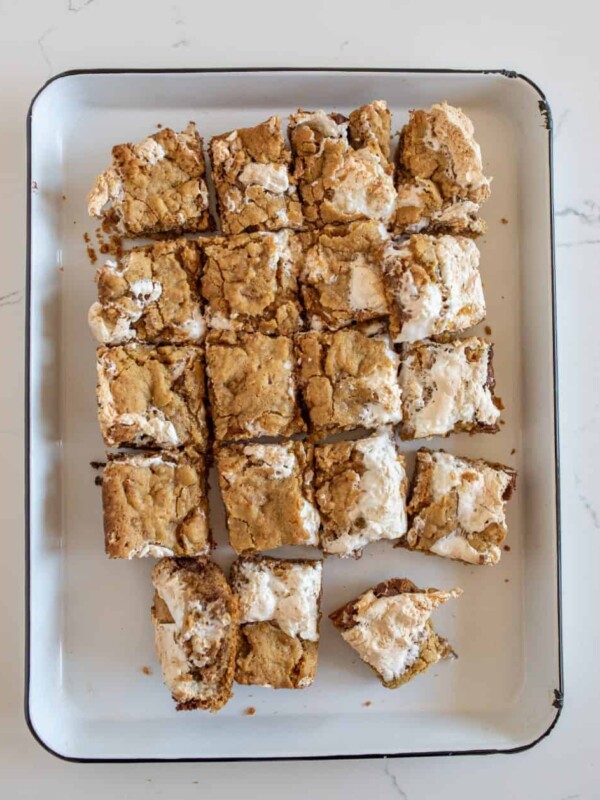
268,495
151,296
448,387
155,186
433,286
195,616
457,507
252,385
279,621
360,489
250,283
155,505
341,274
151,396
342,180
389,626
251,173
348,380
440,179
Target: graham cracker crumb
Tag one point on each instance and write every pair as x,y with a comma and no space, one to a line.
488,330
146,670
250,711
504,221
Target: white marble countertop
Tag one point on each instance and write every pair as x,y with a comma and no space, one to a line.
557,48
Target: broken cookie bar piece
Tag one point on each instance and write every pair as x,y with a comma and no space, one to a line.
251,173
440,179
433,286
279,621
389,626
195,616
252,385
152,396
155,504
337,182
151,296
341,274
348,380
267,490
457,507
448,387
371,126
156,186
250,283
360,489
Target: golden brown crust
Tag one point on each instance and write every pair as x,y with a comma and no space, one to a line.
255,190
348,380
152,396
269,657
341,274
156,186
155,504
268,495
200,676
250,283
252,385
371,126
152,297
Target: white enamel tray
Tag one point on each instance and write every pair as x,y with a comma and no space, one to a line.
89,632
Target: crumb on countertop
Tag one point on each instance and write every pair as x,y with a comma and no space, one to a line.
146,670
97,464
513,451
488,330
367,703
250,711
98,480
504,221
507,548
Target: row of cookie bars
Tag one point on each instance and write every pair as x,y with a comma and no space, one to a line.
262,627
337,170
339,497
352,378
281,283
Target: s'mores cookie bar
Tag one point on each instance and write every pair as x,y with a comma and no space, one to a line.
433,286
155,186
360,489
457,507
440,179
348,380
155,505
252,385
251,173
151,296
195,616
341,274
371,126
389,626
279,621
268,495
250,283
448,387
151,396
338,182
